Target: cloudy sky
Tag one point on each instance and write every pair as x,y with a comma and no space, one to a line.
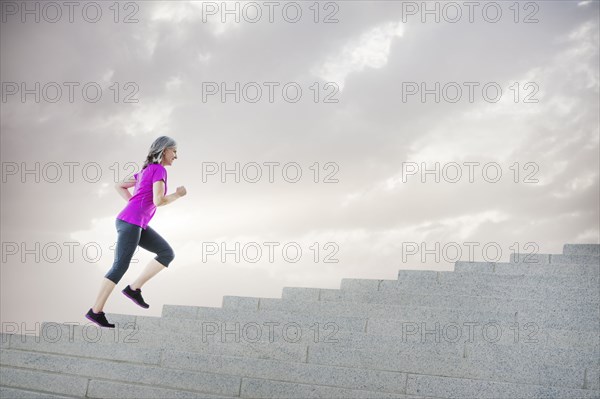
335,123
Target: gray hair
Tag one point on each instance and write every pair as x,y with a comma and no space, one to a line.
155,153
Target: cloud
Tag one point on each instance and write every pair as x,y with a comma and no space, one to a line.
150,117
173,83
208,13
502,131
371,49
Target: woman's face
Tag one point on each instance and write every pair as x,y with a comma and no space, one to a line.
169,155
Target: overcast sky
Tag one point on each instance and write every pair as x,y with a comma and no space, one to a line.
360,121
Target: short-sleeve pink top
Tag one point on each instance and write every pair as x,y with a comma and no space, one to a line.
140,208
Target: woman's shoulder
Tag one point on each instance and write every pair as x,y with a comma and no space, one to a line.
158,168
152,168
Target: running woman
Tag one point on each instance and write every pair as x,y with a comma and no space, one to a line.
133,229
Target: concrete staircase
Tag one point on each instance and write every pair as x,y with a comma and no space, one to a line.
484,330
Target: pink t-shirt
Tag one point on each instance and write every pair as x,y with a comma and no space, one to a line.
140,208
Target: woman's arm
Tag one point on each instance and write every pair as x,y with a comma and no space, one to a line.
123,186
159,198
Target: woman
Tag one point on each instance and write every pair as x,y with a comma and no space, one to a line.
133,230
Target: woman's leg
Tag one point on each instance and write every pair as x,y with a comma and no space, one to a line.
127,241
151,241
105,290
150,271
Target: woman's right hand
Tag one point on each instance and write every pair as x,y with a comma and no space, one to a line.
181,191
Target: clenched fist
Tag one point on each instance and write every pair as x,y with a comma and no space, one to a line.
181,191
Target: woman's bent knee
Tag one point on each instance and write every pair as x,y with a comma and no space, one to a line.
165,257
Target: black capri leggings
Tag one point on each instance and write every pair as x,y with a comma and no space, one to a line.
129,237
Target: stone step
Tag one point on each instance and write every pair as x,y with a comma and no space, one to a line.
15,393
417,280
268,389
111,389
427,277
118,390
588,269
47,382
581,249
462,301
456,277
507,333
449,387
548,330
451,300
429,284
553,258
539,292
569,296
554,310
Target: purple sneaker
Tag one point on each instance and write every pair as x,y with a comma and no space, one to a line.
98,318
135,296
